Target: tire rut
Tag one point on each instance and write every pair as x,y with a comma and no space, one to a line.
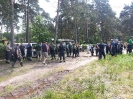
38,85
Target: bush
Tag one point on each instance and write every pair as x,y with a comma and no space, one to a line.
84,46
2,51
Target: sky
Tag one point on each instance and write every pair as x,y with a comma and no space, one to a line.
51,7
117,5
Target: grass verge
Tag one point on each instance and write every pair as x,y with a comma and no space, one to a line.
111,78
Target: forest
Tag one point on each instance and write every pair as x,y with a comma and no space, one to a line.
80,20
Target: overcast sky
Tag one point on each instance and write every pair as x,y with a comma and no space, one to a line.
50,7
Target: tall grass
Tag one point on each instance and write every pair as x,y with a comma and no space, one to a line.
111,78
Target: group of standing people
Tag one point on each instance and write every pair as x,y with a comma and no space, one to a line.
71,50
13,54
113,48
17,52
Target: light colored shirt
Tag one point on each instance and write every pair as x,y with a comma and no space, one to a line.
8,48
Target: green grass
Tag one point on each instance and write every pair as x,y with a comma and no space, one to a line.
102,79
7,89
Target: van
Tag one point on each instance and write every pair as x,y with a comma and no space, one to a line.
33,49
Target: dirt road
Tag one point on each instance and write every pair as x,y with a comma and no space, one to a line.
39,76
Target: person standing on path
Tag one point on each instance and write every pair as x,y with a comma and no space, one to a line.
45,49
74,51
52,48
61,51
112,47
92,50
96,48
22,48
70,48
17,56
8,53
29,52
101,50
108,48
38,52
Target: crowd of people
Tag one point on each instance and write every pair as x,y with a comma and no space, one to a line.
57,52
113,48
43,50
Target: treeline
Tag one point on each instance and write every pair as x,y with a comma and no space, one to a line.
81,20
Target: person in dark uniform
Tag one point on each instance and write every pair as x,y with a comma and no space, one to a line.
70,48
38,52
116,48
17,55
74,50
61,51
67,49
97,50
22,48
120,47
108,48
130,42
101,50
92,50
29,52
53,51
77,50
8,53
112,47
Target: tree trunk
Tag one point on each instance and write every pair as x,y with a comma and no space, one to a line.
75,22
27,25
87,31
57,18
25,17
11,23
75,30
86,23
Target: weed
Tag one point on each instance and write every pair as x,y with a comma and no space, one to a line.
48,95
102,87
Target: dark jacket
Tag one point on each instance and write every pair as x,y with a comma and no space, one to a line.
61,49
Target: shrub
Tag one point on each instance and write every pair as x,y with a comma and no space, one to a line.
84,46
2,51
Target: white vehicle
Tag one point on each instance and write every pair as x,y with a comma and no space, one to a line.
33,49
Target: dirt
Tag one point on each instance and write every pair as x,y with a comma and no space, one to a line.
40,76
